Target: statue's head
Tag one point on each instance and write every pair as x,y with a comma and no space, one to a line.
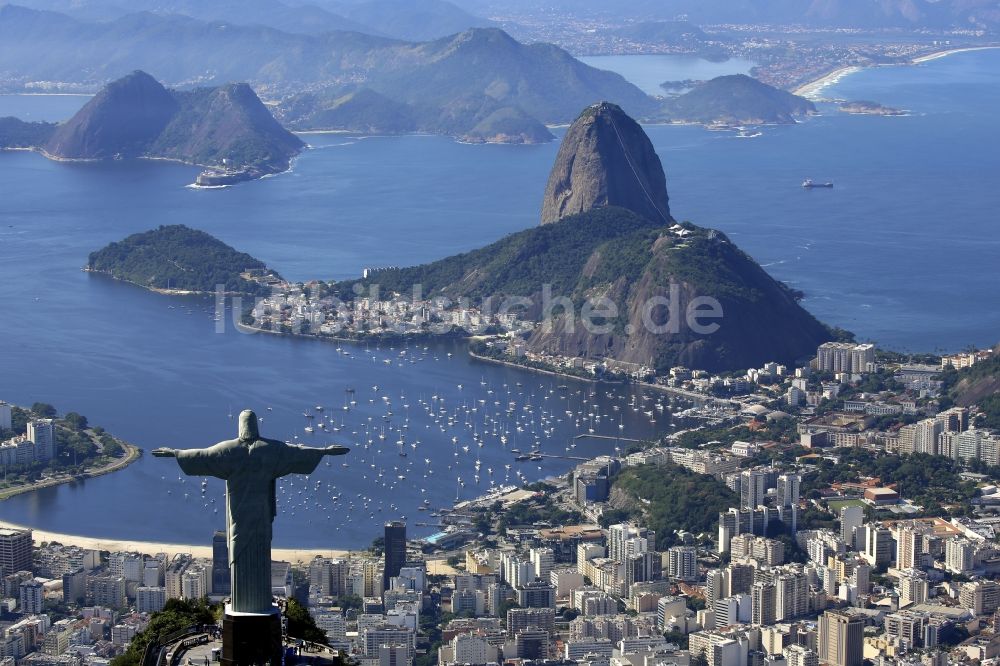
248,426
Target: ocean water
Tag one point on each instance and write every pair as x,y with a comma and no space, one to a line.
41,108
899,251
649,71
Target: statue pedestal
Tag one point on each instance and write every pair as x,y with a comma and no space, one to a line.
251,639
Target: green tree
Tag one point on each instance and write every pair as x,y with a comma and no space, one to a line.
505,606
351,602
431,625
302,625
44,410
177,615
113,449
673,498
76,421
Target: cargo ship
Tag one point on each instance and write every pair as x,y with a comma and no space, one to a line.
809,184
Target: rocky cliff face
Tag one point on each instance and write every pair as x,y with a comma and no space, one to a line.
226,123
136,116
123,120
668,271
606,159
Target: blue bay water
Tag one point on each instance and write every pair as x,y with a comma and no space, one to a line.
42,107
900,252
649,71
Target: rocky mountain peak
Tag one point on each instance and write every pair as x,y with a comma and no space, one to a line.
121,120
606,159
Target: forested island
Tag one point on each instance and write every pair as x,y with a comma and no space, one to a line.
736,99
870,109
179,259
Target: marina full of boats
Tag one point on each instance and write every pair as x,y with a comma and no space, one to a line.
416,452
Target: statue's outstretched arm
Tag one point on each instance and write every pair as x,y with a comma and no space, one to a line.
211,461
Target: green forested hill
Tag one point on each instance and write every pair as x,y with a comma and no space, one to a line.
677,499
16,133
519,264
737,98
615,253
177,257
977,385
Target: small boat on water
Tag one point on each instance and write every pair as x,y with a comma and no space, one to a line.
809,184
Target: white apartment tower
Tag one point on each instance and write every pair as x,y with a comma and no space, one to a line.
42,434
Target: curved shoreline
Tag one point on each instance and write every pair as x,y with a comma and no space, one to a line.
519,366
153,547
948,52
161,290
812,89
134,453
388,339
152,158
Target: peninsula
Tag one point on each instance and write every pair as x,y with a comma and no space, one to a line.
40,449
607,234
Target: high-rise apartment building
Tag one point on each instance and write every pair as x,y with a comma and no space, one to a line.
15,551
845,357
395,551
840,638
42,433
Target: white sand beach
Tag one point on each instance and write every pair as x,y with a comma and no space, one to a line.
152,547
948,52
813,89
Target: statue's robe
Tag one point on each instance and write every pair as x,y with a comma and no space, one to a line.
250,472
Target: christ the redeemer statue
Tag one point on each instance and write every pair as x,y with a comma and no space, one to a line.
250,465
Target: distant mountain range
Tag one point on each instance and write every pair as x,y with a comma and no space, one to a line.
475,119
933,14
412,20
480,84
868,14
415,20
49,46
225,127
